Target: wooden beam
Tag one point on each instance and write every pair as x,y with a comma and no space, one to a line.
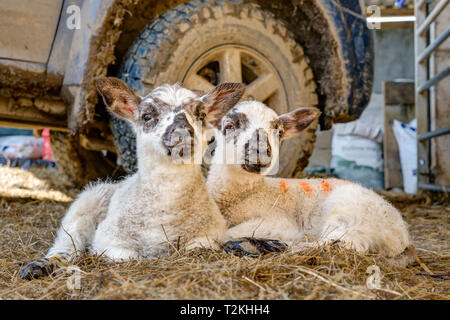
29,125
398,105
395,12
396,93
397,25
22,113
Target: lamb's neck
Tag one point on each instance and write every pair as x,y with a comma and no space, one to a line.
226,180
168,175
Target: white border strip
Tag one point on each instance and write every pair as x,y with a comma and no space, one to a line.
391,19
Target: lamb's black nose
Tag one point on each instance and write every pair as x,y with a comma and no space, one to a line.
178,138
179,132
258,152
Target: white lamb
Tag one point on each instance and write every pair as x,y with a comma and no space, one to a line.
165,200
327,210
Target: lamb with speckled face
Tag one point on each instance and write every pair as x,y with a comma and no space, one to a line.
325,210
166,200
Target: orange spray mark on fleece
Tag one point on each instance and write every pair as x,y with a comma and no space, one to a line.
283,186
305,187
325,186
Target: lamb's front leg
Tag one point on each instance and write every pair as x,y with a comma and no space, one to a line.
76,231
262,235
253,247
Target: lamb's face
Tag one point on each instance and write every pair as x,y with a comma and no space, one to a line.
170,121
250,129
255,132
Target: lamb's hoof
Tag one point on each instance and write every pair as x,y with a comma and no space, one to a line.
253,247
36,269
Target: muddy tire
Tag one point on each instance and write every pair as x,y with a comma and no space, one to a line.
197,42
78,164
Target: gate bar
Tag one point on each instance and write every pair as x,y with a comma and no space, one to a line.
433,187
435,79
432,16
435,133
429,50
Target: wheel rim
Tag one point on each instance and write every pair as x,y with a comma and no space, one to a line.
233,63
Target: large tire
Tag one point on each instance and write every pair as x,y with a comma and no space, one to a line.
168,49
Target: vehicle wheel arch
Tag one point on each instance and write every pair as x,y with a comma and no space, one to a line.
113,34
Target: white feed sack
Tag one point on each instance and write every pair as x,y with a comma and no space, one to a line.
357,147
406,136
363,151
357,154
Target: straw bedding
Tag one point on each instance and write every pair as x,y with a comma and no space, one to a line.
33,202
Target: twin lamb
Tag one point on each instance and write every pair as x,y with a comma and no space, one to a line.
168,201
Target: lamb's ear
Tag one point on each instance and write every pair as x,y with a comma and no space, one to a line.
296,121
118,97
221,99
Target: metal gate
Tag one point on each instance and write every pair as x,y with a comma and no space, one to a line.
426,42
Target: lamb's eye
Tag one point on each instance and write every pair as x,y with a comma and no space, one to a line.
147,117
229,126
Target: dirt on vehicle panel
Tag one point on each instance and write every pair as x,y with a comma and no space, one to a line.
101,56
125,20
16,82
